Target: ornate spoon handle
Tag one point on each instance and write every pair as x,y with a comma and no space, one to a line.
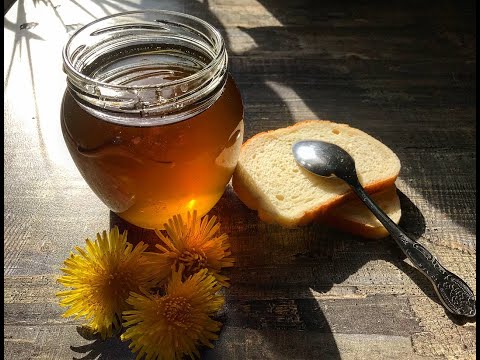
454,293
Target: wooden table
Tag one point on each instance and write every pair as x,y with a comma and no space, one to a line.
403,73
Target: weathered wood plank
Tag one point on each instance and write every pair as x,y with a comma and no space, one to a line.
65,342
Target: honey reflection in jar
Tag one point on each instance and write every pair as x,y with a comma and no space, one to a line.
148,174
149,168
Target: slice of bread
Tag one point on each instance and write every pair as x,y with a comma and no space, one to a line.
268,179
354,217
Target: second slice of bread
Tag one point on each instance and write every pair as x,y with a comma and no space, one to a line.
268,179
355,218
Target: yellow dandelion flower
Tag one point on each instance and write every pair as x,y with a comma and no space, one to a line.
195,245
174,325
101,277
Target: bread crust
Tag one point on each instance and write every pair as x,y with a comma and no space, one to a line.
253,203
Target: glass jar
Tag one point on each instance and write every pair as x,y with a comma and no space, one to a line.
151,116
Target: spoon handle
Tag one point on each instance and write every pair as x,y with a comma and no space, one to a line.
454,293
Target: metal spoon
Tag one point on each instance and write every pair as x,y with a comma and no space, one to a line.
326,159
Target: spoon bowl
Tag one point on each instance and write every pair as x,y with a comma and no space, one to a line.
323,158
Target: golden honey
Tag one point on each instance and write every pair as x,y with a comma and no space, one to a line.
162,153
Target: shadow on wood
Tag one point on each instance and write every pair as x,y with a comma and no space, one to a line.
281,276
109,349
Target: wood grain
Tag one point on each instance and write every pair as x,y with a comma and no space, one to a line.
404,72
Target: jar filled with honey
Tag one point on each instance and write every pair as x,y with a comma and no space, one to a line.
151,116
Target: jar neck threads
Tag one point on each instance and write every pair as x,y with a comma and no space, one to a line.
146,68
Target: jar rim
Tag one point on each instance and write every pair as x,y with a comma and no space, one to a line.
92,49
217,39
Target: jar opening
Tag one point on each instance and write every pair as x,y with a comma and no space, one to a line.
152,66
